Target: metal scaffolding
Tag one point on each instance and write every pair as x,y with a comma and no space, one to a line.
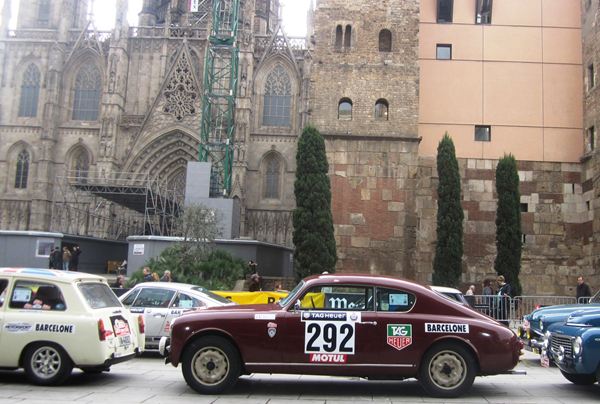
115,207
219,93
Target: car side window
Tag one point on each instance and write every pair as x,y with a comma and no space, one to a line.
338,297
36,296
128,301
3,288
394,300
183,301
153,297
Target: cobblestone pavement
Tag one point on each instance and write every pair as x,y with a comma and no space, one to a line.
149,380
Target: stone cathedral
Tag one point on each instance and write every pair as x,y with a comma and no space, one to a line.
97,128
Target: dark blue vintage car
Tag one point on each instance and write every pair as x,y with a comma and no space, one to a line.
535,324
575,347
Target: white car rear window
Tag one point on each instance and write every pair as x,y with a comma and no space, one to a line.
99,295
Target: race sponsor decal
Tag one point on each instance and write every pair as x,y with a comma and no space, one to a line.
264,316
399,336
56,328
329,333
328,358
271,329
17,327
447,328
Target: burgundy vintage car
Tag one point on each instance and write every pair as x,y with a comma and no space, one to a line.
346,325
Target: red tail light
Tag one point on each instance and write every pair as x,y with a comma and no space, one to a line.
103,333
141,325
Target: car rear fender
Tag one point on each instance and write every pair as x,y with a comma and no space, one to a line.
203,333
457,341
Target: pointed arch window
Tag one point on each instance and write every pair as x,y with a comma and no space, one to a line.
348,36
385,40
278,98
22,172
272,177
81,166
88,85
30,91
339,37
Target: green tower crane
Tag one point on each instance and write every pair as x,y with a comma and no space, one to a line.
219,93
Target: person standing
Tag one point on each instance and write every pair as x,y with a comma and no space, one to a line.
488,292
74,264
166,277
504,295
66,258
583,290
55,259
147,274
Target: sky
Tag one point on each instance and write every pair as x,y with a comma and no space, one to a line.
293,14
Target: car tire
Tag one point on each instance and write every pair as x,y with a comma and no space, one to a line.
447,370
211,365
579,379
47,364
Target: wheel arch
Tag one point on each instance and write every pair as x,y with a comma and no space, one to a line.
214,333
40,343
455,341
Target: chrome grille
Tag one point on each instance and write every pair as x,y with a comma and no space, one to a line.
557,341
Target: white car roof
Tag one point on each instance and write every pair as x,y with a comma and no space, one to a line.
445,289
50,274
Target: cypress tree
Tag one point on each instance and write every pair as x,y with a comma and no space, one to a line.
447,264
508,223
315,250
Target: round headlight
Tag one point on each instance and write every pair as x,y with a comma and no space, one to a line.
577,346
541,325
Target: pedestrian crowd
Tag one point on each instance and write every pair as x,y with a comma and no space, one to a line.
150,276
66,259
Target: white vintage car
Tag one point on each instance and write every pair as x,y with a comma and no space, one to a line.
53,321
161,302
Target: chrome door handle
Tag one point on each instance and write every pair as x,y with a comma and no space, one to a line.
157,315
368,322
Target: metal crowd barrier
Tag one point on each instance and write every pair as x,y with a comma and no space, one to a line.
510,311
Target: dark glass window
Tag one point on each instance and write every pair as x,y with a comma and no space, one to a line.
443,51
338,297
483,12
81,166
444,10
348,37
22,172
272,172
381,110
30,91
278,98
44,12
394,300
590,141
385,40
591,77
345,109
483,133
339,37
88,86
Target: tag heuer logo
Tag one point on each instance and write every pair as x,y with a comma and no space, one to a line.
399,336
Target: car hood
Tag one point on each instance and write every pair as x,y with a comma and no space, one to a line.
590,318
563,308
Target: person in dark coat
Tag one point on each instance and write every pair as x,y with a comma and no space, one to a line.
74,265
503,302
55,261
583,290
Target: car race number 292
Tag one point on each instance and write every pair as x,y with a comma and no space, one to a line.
329,336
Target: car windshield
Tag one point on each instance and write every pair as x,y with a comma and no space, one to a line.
98,295
291,296
212,295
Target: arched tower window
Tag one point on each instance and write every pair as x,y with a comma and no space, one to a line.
272,176
385,40
278,98
88,85
345,109
348,37
43,12
381,110
339,37
81,165
30,91
22,172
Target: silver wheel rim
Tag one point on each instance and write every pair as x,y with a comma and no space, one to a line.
447,370
210,366
46,362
